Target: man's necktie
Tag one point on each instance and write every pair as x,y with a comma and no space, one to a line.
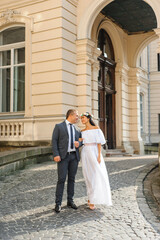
71,134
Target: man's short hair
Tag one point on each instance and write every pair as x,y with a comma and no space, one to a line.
70,112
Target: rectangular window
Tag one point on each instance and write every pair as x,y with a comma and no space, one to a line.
140,61
141,113
6,58
158,61
12,70
19,89
12,80
99,115
6,86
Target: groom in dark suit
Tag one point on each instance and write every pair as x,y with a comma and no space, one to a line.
65,145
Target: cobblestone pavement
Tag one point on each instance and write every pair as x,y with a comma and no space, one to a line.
151,191
27,202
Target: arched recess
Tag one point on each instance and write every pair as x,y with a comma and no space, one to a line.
110,28
154,4
11,18
89,16
92,11
119,57
141,48
106,88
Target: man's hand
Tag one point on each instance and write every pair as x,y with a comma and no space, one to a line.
81,139
76,143
57,159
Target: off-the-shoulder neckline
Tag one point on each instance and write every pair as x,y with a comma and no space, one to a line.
91,129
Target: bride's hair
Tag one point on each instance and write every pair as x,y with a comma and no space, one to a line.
92,122
89,116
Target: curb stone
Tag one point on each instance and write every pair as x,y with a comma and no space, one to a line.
145,199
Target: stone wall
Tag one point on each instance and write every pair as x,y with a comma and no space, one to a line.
13,160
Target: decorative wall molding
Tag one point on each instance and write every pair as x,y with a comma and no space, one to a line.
11,16
87,51
134,76
121,72
74,2
9,13
8,16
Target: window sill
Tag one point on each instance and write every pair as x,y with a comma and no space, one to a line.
13,115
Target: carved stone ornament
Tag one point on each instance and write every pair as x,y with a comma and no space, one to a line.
8,16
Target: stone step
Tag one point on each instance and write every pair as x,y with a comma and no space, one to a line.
117,153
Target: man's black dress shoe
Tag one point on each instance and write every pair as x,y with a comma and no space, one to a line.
72,205
57,208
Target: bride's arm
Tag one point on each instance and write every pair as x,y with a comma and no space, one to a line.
99,152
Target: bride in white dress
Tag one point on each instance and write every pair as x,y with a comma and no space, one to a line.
93,165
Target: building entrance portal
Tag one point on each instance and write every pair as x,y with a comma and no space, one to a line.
106,89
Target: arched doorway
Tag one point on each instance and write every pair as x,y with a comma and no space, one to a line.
106,89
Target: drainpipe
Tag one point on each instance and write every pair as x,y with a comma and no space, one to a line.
149,110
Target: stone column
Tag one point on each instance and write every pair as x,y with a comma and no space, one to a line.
134,110
118,87
94,83
87,73
122,108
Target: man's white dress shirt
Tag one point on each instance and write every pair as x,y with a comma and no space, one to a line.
69,133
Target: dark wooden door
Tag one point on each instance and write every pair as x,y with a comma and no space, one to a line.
106,95
110,110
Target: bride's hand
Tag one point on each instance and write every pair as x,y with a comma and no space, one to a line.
99,159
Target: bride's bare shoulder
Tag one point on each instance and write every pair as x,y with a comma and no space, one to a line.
96,127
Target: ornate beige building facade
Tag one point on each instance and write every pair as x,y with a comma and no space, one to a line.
61,54
149,94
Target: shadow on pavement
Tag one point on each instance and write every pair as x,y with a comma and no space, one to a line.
28,206
49,220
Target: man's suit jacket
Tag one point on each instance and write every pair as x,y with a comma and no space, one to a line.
60,139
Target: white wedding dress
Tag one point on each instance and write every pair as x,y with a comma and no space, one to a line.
95,174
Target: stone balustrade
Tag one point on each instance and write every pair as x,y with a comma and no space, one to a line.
13,129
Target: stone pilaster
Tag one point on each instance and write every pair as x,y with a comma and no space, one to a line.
122,112
118,87
87,73
134,110
94,83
